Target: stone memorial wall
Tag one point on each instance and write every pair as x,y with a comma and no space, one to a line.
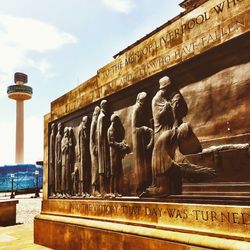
153,151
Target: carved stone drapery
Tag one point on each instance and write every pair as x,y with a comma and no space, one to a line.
84,157
117,150
58,159
157,157
52,152
142,138
94,152
103,124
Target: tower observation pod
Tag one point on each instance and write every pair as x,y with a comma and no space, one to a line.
20,93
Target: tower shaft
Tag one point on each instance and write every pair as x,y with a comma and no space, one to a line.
19,131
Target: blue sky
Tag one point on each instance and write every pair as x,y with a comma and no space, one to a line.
61,44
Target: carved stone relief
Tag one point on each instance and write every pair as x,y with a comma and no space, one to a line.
118,148
58,160
52,152
143,139
84,157
94,153
103,123
87,160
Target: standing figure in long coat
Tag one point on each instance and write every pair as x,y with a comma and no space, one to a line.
69,184
103,123
94,152
58,160
83,150
65,145
142,138
173,138
168,107
52,141
117,150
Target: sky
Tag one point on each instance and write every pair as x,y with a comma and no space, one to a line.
59,44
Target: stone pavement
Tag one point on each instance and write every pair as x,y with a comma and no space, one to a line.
20,236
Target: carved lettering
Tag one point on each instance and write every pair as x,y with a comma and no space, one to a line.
167,39
219,7
156,212
245,218
176,213
133,212
130,210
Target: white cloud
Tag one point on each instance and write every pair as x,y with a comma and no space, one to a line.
43,65
124,6
20,36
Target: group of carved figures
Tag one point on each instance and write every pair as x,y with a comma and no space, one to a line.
159,162
99,154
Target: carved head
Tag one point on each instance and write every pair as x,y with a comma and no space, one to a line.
85,119
96,111
164,82
187,141
104,105
66,131
53,127
59,127
141,97
114,118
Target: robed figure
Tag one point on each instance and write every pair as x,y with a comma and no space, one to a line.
94,153
65,149
58,160
168,107
72,143
142,138
117,151
84,157
173,139
103,123
52,140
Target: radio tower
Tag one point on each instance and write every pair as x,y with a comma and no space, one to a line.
20,93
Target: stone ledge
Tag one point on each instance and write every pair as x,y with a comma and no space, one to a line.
203,219
8,212
189,239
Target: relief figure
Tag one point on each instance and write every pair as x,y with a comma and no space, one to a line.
117,151
168,107
94,153
173,139
75,182
58,160
72,143
84,157
142,138
103,123
52,140
65,146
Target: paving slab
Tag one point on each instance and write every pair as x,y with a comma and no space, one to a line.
18,237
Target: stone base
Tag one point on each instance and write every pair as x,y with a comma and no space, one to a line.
92,224
8,212
75,235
